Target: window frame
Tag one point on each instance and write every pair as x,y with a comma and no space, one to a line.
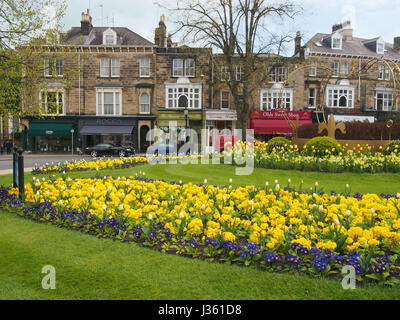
337,43
314,97
45,106
222,100
193,93
331,97
110,67
239,73
51,67
115,92
385,106
147,68
313,66
271,97
142,104
176,68
193,68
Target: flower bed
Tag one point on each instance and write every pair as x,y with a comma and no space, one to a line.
361,160
101,164
271,228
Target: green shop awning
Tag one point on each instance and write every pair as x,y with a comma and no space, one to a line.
47,129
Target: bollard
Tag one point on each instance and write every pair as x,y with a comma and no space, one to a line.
15,167
21,182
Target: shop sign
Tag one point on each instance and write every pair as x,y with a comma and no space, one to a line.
281,115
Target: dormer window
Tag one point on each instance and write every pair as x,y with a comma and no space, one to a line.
109,37
337,42
380,47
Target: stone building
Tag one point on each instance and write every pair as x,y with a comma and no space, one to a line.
350,76
112,100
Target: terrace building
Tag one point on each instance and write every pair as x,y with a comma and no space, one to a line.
349,76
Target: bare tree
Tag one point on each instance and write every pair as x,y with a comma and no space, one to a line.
240,30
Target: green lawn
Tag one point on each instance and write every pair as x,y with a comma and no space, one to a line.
92,268
220,175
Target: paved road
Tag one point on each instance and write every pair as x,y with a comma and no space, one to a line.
31,159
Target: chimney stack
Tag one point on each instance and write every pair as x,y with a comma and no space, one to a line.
297,43
396,44
345,29
160,36
86,23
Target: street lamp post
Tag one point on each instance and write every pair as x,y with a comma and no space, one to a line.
202,111
72,133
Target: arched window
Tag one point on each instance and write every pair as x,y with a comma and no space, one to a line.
144,103
183,102
343,102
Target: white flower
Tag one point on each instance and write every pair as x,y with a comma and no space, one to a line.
109,188
92,189
150,216
321,208
348,212
230,180
121,207
398,196
316,184
230,187
181,215
62,187
205,181
266,183
277,187
276,181
289,180
60,202
149,199
127,182
104,207
251,202
203,206
372,210
336,221
347,186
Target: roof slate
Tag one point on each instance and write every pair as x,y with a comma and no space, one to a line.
352,47
125,37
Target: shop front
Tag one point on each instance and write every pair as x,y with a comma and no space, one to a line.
119,131
181,120
51,135
268,124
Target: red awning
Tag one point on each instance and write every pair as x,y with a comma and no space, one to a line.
273,127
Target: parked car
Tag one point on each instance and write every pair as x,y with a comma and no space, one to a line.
105,149
161,149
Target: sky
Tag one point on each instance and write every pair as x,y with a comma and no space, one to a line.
370,18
